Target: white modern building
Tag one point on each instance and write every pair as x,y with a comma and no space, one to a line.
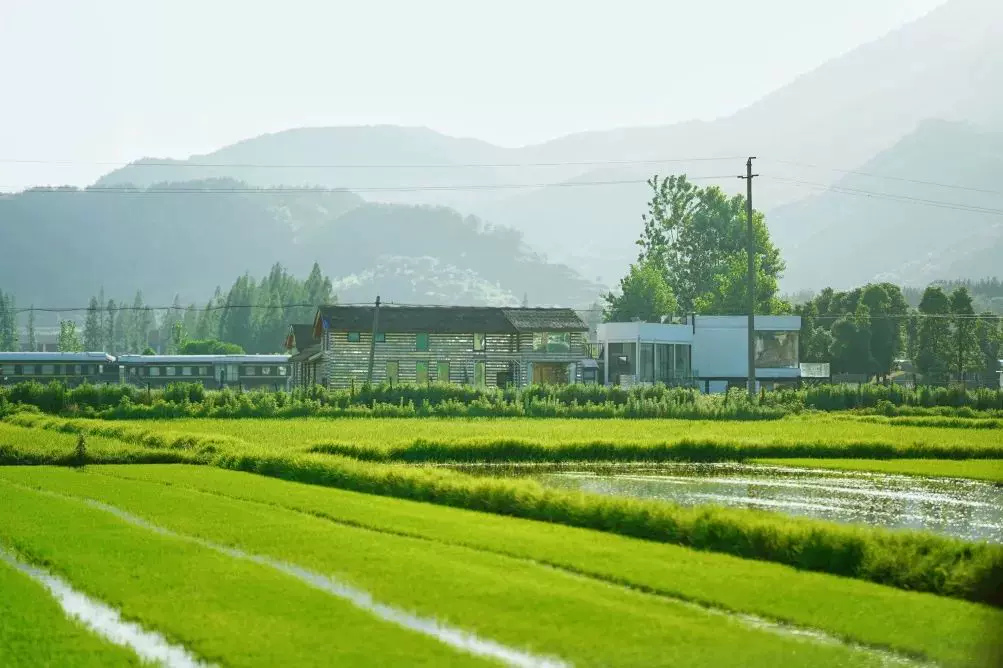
708,351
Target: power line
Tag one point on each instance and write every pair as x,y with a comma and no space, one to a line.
888,177
958,206
472,165
304,189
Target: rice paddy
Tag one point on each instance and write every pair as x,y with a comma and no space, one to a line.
196,530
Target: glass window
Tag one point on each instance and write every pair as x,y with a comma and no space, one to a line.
622,359
381,337
393,372
442,372
478,342
551,342
153,370
776,350
354,337
646,362
29,370
7,370
683,361
266,371
48,369
665,357
248,370
421,342
186,371
171,371
282,371
421,372
480,375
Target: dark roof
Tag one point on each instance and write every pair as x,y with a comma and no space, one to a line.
450,319
303,336
305,353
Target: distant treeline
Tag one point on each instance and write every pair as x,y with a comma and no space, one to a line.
865,330
252,316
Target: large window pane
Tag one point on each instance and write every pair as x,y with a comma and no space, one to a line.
682,365
776,350
646,362
551,342
421,342
478,342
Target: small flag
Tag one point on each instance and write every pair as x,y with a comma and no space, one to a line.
326,324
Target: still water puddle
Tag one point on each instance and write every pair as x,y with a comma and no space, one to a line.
968,509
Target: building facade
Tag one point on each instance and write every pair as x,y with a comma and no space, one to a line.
708,352
305,355
482,346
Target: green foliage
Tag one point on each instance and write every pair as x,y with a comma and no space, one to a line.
698,237
644,295
93,334
9,335
69,341
933,351
210,347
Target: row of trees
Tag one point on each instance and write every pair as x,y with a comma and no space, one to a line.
252,316
863,331
693,257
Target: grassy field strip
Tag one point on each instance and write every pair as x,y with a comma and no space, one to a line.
550,439
581,620
106,621
920,624
948,631
21,446
223,610
907,559
990,470
35,631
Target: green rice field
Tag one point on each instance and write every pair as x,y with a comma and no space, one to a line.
346,542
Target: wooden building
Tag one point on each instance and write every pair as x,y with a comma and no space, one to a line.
305,355
483,346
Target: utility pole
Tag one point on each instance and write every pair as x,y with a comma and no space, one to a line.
372,341
751,241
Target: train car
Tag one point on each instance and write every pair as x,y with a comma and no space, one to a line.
269,372
69,368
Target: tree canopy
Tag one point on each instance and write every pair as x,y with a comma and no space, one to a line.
644,295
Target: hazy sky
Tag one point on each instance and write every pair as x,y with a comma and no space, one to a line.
114,80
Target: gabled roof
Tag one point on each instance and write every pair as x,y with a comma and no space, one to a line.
448,319
301,337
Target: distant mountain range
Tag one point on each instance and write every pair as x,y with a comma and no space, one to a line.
922,103
60,247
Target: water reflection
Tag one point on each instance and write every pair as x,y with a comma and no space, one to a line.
967,509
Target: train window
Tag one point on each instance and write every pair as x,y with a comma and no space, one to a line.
29,370
79,369
186,371
202,371
48,369
100,368
266,371
248,370
154,370
8,370
282,371
170,370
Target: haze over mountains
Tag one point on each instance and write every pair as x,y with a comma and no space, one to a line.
922,103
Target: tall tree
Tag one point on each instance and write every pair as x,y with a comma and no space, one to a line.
8,323
989,332
851,343
933,346
698,239
92,326
888,310
69,340
32,340
644,295
964,349
237,320
111,332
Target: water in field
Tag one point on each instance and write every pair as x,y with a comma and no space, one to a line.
967,509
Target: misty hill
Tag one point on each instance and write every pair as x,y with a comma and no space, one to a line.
61,246
946,65
846,237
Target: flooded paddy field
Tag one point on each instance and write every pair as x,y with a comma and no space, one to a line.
968,509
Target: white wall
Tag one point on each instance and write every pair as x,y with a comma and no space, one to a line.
720,345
